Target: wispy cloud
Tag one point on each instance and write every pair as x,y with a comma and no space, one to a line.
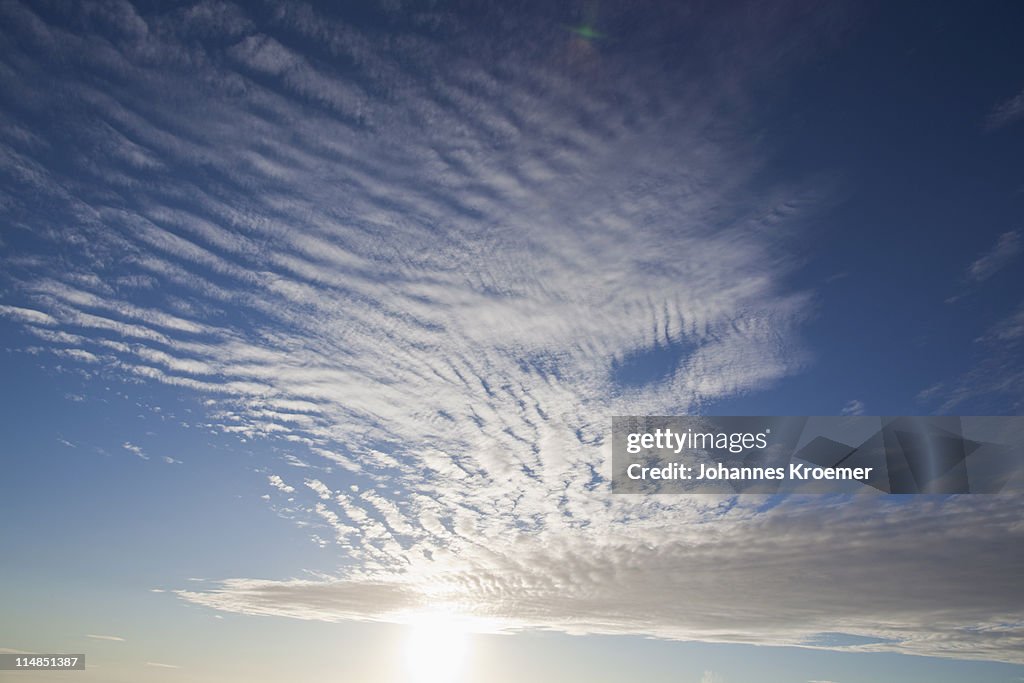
1005,250
1006,112
853,407
160,665
995,378
137,450
1009,330
995,381
94,636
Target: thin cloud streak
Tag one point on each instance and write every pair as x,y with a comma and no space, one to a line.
1005,250
998,376
160,665
853,407
1007,112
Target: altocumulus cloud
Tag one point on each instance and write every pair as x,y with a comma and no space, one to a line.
420,256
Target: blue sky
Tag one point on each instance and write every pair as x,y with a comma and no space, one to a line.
313,319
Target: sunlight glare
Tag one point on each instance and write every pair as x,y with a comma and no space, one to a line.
436,649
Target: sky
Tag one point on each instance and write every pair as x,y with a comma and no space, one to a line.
313,318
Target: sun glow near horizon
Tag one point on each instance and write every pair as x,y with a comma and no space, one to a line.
436,648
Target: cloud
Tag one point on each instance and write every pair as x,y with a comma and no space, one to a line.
1006,248
1009,330
420,265
1006,112
132,448
160,665
1002,254
279,484
319,487
853,407
752,577
994,383
118,639
27,315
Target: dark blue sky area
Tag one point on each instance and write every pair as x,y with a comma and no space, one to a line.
897,116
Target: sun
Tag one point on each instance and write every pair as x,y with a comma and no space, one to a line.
436,648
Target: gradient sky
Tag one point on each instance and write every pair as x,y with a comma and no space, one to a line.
313,319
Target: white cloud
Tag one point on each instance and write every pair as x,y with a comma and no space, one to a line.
160,665
1009,330
279,484
94,636
1006,248
1007,112
137,450
995,383
27,315
319,488
754,577
853,407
